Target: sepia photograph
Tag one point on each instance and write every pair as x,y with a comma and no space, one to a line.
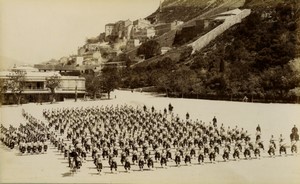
150,91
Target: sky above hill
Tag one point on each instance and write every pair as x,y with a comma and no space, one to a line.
34,31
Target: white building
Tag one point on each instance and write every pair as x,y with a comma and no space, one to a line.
35,85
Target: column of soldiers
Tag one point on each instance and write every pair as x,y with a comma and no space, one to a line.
30,138
142,136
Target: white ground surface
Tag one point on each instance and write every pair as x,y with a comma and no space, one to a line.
273,119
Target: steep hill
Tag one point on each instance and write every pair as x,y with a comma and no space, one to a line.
256,58
185,10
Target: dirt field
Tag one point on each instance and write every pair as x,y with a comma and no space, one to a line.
274,119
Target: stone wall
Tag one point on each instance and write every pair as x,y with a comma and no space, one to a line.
229,22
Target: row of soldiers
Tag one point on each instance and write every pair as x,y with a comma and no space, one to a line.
30,138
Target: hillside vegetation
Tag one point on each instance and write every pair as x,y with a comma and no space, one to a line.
257,59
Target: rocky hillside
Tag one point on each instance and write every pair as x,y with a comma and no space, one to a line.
256,58
185,10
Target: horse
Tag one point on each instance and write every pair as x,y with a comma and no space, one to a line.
294,148
294,136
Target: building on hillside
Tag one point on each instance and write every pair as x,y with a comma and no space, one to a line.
162,28
142,23
67,70
143,34
132,43
109,29
165,50
35,89
121,28
128,32
202,23
88,48
118,29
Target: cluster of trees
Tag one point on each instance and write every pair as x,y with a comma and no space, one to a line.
149,49
105,81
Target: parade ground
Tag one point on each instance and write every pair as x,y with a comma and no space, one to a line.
274,119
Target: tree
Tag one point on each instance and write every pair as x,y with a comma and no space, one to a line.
184,79
149,49
295,67
162,81
16,84
52,83
3,89
166,63
110,79
93,83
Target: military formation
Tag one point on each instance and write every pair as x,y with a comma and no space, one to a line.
138,137
31,138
